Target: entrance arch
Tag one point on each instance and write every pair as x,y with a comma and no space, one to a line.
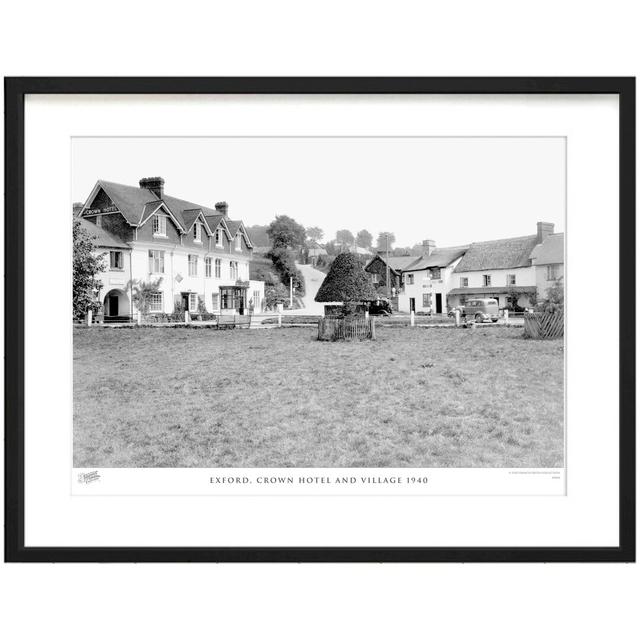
116,306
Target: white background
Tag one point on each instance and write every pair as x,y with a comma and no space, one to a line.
401,38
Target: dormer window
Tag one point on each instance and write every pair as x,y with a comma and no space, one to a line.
197,232
238,242
159,225
218,238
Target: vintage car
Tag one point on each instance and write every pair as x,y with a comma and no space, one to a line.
480,310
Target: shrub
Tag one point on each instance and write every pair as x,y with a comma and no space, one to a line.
346,282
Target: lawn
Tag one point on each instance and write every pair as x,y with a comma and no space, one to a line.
421,397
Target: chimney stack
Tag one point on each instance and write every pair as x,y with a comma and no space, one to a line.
428,246
544,229
154,184
223,208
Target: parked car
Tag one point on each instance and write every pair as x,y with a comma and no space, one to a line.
380,308
481,310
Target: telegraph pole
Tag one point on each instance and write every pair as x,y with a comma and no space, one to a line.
290,292
386,237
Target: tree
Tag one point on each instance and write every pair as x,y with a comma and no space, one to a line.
346,282
86,266
344,237
554,302
285,267
142,291
315,234
364,239
382,240
286,232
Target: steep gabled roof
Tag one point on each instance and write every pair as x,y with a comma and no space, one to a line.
236,225
439,257
101,237
550,250
396,263
509,253
130,201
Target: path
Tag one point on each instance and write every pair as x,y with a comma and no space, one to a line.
312,280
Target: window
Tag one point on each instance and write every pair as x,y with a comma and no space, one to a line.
435,273
486,281
156,261
256,299
375,278
553,271
464,282
218,238
115,259
197,232
193,302
155,302
238,242
426,299
227,299
193,265
159,225
233,270
215,301
511,279
410,278
207,267
218,267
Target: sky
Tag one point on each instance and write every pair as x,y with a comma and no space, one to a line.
450,190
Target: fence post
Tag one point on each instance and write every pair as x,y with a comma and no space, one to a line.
372,321
506,316
279,319
89,317
413,318
139,317
456,314
186,316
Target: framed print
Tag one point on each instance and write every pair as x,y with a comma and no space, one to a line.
320,319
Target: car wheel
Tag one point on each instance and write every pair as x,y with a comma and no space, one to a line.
494,319
478,317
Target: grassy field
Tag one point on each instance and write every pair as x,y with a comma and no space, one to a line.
160,397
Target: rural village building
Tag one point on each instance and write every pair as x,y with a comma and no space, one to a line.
377,267
200,254
428,279
548,261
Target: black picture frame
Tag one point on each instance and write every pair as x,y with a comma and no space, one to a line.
15,91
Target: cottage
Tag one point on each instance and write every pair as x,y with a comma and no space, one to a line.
201,256
500,269
377,270
547,259
428,279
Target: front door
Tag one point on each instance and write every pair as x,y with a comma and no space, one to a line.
412,304
113,305
438,303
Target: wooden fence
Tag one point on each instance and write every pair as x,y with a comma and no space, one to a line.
346,329
542,326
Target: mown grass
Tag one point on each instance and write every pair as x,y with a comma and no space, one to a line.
279,398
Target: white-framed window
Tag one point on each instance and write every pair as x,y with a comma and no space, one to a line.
115,260
238,242
207,267
233,270
553,271
256,299
156,261
486,280
218,268
409,278
193,302
159,225
193,265
464,282
511,279
426,300
435,273
218,237
215,301
155,302
197,232
375,278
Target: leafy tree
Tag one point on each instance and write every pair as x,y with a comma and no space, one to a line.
346,282
141,292
315,234
364,239
274,294
344,236
285,267
381,243
554,302
330,248
86,266
286,232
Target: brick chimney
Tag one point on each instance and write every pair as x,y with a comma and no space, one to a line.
544,229
223,208
428,246
154,184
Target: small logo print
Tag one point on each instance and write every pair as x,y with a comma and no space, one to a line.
86,478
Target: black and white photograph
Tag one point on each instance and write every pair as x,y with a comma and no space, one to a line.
318,302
